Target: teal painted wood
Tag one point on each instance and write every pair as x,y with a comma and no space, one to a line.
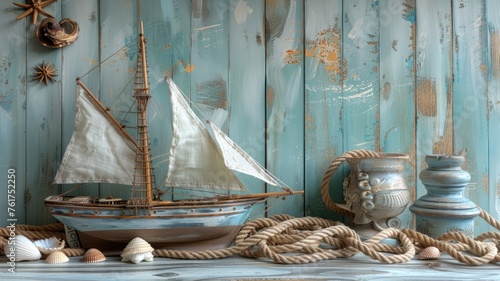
434,85
324,74
493,22
397,100
209,63
285,100
178,39
302,135
43,126
357,267
13,79
470,107
361,85
156,17
119,28
84,54
246,85
209,57
181,44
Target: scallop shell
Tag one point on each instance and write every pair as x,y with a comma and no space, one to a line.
56,257
49,245
429,253
22,249
92,256
137,250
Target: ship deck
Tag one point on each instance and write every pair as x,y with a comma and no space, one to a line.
358,267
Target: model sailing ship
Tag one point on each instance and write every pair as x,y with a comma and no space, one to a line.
196,161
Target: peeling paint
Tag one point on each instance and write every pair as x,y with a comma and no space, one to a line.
241,12
189,68
213,93
258,38
394,45
292,56
387,90
409,11
426,97
327,49
269,97
485,182
495,54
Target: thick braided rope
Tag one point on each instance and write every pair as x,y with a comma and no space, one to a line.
303,236
487,252
325,184
33,234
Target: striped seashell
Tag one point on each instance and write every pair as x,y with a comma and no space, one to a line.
137,246
22,249
93,256
49,245
137,250
429,253
56,257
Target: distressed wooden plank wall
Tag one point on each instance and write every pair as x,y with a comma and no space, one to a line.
295,82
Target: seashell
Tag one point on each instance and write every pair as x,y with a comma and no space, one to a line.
137,250
53,34
22,249
49,245
429,253
56,257
137,246
92,256
137,258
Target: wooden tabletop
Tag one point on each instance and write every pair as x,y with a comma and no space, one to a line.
359,267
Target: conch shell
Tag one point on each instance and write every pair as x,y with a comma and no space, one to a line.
137,250
53,34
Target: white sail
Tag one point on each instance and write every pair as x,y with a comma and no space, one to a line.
97,152
195,160
237,159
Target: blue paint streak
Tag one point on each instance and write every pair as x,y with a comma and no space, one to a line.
410,16
409,63
6,101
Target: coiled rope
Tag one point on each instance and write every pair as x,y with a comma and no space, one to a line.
288,240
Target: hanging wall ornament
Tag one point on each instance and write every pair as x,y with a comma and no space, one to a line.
35,8
55,34
45,72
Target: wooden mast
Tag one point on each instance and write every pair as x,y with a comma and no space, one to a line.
147,159
142,189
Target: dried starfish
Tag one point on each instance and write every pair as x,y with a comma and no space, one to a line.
35,7
45,72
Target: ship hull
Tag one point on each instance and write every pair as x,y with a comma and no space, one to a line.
189,225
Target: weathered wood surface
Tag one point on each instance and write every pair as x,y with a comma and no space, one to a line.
301,81
359,267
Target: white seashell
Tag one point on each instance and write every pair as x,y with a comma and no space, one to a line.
137,246
49,245
56,257
21,249
93,256
137,258
137,250
429,253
